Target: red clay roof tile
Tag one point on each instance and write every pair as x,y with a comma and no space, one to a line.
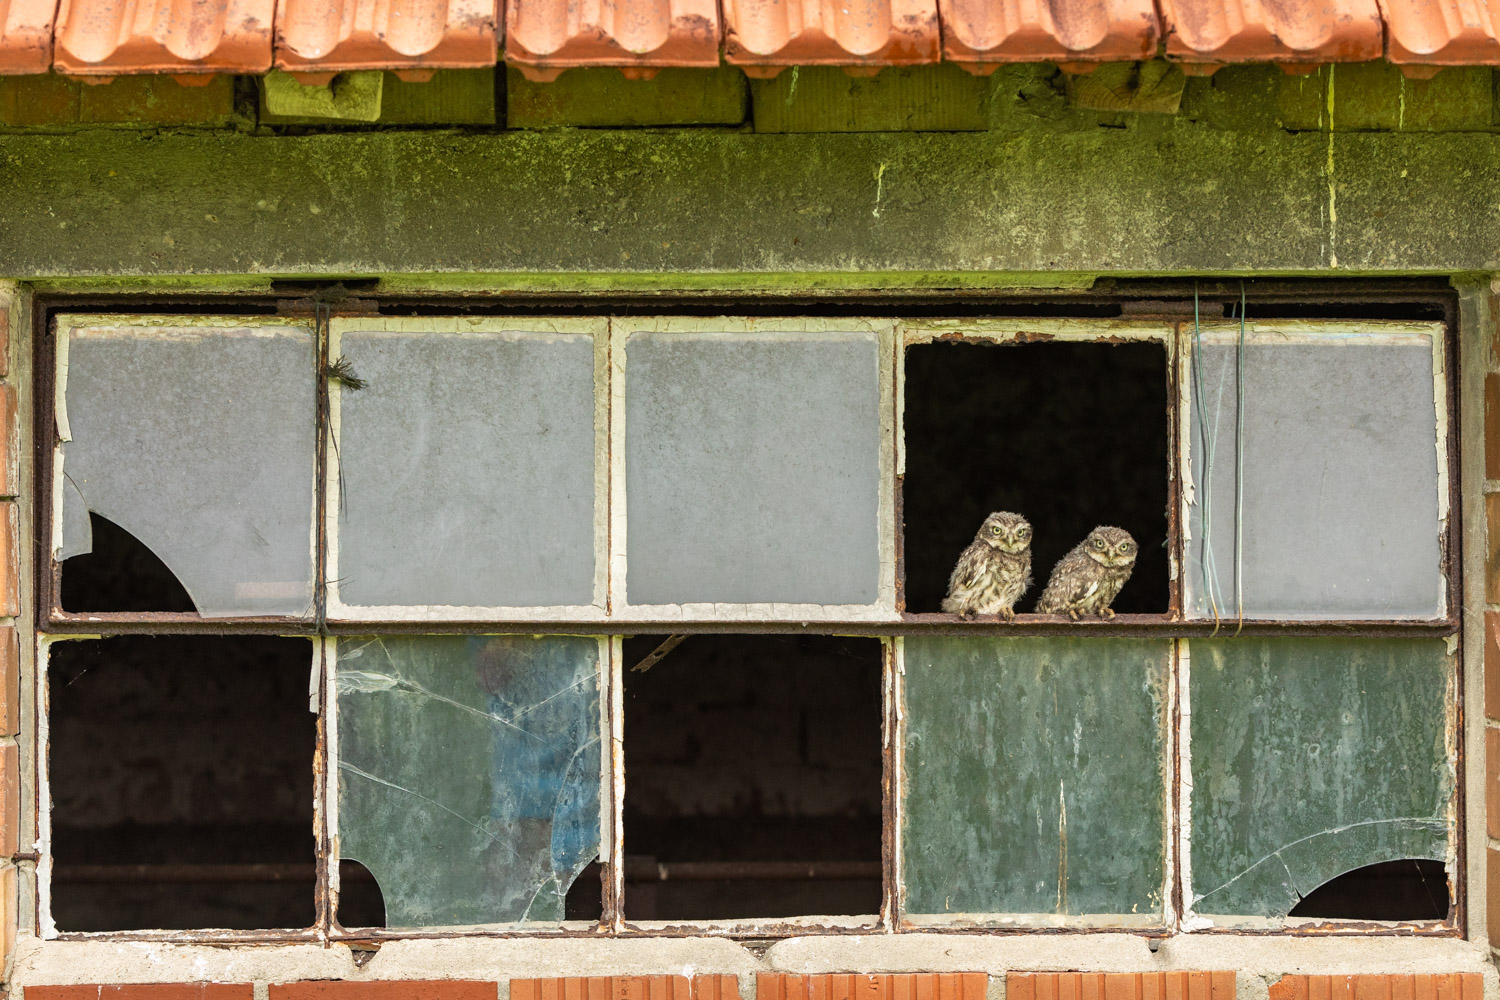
109,37
26,35
327,36
1296,31
764,36
544,37
982,33
1442,32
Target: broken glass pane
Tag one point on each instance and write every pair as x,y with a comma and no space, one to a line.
1036,777
469,773
752,467
1341,486
1310,758
467,468
198,439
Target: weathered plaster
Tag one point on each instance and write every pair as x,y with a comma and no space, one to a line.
666,208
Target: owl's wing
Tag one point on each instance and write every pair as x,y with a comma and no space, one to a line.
1080,583
967,571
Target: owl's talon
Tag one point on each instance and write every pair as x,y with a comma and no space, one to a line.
1107,614
1009,614
1073,613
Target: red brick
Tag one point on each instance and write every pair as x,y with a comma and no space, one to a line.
10,910
1492,426
1109,986
1393,986
10,799
9,582
144,991
434,989
10,681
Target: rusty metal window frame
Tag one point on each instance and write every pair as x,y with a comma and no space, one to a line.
54,625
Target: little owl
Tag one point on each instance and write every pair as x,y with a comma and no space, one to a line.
994,571
1087,580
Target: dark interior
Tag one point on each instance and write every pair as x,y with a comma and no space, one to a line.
181,771
1071,435
744,752
120,574
1409,889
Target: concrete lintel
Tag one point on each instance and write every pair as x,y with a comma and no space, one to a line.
67,962
1173,197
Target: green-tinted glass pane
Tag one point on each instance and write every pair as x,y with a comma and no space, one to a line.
1035,775
469,773
1310,758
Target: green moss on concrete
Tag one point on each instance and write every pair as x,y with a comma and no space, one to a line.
938,98
1153,87
712,208
603,97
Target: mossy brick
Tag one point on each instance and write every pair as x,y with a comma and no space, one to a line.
1154,86
936,98
603,97
451,97
38,100
157,100
1377,96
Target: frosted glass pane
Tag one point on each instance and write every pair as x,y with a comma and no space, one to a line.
469,773
199,441
467,469
752,468
1036,777
1341,479
1313,757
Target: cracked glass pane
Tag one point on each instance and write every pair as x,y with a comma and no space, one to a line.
197,438
752,467
469,773
1036,777
1341,476
466,466
1313,757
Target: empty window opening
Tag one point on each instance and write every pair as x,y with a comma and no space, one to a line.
361,903
753,783
120,574
1070,435
181,774
1409,889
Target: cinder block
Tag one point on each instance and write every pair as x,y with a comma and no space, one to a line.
937,98
603,97
457,989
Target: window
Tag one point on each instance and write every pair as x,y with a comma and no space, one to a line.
633,622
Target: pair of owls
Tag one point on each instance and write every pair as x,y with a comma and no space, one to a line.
995,570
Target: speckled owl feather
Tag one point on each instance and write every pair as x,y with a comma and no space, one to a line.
994,571
1087,580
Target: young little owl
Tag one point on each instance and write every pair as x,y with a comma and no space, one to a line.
994,571
1087,580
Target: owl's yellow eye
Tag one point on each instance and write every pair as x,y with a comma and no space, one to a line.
1098,543
994,529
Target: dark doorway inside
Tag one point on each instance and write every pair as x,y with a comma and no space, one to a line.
1410,889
